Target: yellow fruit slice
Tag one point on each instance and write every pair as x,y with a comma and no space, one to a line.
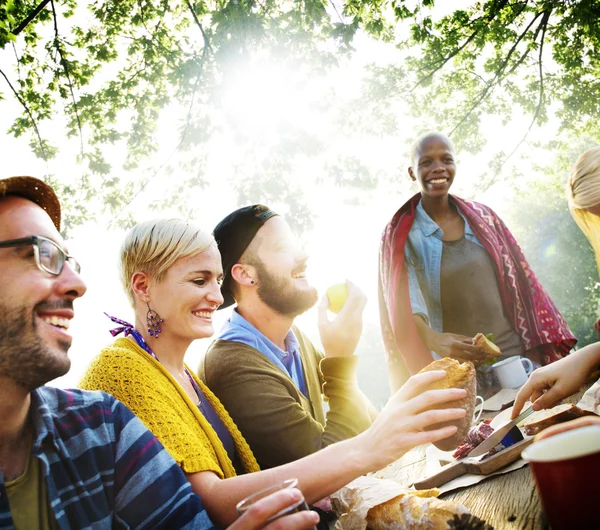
337,294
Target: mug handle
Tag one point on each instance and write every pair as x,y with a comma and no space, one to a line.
528,365
477,413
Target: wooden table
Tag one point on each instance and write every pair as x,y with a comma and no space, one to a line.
506,502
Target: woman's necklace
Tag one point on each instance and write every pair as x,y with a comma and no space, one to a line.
128,329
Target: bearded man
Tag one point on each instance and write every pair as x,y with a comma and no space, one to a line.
266,372
68,458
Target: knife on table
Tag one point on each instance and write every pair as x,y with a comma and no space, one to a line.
492,441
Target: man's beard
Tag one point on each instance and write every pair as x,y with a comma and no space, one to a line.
280,293
24,358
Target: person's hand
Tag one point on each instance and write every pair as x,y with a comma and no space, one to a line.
259,513
340,336
457,347
409,419
549,384
567,426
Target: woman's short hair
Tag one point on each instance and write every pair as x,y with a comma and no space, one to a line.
153,246
583,192
426,136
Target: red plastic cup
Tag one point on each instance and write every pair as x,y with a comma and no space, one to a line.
566,468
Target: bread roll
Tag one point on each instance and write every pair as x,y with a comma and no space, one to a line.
381,504
413,512
458,375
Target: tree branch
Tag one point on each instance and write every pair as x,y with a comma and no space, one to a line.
24,105
63,63
541,25
442,62
499,73
18,63
30,17
475,74
541,91
204,35
336,11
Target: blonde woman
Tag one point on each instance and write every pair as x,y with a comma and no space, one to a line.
171,271
550,384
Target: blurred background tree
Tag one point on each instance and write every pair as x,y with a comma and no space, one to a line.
110,67
140,108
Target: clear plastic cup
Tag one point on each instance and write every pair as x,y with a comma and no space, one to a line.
298,506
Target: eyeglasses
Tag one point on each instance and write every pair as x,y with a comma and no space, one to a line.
49,257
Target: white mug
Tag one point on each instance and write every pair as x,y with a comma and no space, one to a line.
477,412
513,372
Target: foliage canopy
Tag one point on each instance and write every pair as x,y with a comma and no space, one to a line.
111,66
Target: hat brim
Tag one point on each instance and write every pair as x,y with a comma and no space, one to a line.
36,191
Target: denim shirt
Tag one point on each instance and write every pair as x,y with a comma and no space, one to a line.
423,251
238,329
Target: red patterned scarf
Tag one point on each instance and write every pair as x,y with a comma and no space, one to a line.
528,307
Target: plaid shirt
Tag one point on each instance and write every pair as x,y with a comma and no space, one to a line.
104,468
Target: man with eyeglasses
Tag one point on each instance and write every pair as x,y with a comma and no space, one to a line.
71,458
68,459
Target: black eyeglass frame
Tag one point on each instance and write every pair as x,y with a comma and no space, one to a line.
36,241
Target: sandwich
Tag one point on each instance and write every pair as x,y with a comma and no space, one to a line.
487,346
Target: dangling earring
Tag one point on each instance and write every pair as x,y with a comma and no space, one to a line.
153,322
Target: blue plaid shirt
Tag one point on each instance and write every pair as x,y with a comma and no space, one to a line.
103,468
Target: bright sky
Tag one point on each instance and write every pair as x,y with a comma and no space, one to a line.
345,239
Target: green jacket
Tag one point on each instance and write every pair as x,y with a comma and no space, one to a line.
279,423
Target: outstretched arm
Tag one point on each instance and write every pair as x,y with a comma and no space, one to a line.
399,427
549,384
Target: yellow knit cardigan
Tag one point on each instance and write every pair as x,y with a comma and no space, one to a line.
138,380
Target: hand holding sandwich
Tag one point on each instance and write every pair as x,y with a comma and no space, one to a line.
448,344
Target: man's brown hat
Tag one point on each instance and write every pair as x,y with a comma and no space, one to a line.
36,191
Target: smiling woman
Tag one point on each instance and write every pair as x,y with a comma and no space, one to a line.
450,269
172,272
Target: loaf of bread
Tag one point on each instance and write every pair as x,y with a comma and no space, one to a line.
458,375
415,511
382,504
487,346
543,419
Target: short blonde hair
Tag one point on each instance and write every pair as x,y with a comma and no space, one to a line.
583,192
153,246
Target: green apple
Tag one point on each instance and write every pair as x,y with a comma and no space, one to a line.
337,294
